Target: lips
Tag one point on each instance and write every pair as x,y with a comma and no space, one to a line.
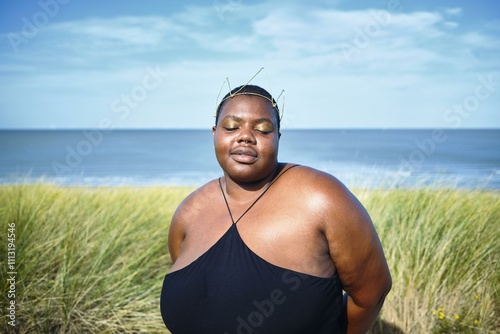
244,155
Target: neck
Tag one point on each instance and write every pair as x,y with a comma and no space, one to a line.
239,191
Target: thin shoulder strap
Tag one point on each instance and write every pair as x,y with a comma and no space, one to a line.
257,199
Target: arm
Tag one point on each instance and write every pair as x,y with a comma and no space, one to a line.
357,254
189,211
176,234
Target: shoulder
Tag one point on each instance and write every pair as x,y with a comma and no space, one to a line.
319,185
194,206
196,202
316,178
327,197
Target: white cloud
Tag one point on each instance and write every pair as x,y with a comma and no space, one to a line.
343,40
480,41
398,59
456,11
289,32
450,24
124,31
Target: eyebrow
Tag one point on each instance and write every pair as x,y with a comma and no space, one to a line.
258,120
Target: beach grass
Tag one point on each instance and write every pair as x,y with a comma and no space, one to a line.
92,260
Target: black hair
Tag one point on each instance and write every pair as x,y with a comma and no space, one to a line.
250,90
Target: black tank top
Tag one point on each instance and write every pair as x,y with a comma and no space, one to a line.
231,290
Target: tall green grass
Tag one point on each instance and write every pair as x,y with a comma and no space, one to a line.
92,260
89,260
443,248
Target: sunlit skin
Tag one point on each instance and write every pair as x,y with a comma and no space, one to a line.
308,221
246,140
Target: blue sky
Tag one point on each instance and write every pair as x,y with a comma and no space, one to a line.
158,64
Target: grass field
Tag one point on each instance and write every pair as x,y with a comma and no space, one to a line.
92,260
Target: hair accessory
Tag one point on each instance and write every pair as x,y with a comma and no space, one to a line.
274,102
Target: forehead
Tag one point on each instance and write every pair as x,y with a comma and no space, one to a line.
248,106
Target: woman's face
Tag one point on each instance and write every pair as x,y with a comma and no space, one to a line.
246,138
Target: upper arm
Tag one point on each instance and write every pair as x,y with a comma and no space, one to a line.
187,213
176,234
355,248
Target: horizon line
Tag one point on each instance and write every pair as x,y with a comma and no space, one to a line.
209,128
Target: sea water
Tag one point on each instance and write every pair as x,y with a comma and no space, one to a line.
359,158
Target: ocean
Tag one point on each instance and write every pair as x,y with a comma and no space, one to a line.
468,159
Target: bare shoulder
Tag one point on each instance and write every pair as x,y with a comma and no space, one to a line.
188,212
353,243
338,209
195,203
324,192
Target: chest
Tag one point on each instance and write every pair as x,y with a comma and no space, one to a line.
230,288
280,233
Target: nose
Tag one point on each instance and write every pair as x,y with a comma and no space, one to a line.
246,136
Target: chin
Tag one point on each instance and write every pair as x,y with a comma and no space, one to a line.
243,174
248,172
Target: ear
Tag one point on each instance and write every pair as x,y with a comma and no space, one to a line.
213,130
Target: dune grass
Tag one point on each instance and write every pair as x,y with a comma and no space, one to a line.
92,260
443,248
89,260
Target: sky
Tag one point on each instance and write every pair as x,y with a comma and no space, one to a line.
73,64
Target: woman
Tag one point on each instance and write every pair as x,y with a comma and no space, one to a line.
269,247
